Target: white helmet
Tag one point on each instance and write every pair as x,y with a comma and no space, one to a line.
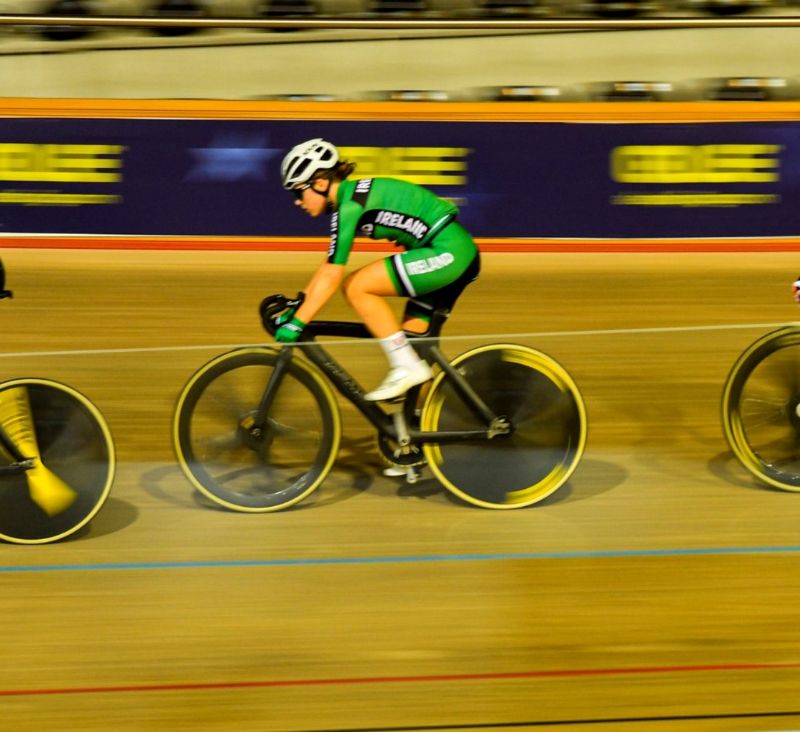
305,160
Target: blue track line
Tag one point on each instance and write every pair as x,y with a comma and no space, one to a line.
322,561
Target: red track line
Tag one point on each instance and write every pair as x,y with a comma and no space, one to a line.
436,678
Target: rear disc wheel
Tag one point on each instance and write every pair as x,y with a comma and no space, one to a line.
548,427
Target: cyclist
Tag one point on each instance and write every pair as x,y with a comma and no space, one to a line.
439,261
3,292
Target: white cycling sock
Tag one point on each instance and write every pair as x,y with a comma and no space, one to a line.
399,351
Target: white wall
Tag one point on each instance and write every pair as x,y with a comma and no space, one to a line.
284,65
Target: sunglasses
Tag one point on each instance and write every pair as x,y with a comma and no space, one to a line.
299,190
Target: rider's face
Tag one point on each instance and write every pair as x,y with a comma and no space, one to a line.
312,198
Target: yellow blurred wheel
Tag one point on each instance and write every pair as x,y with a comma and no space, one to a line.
548,427
239,465
761,409
72,461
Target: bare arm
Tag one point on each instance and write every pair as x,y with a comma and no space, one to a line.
323,284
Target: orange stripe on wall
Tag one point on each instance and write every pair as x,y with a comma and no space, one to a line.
616,112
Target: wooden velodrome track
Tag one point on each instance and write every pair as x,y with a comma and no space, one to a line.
658,590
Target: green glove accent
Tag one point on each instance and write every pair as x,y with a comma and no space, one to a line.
290,332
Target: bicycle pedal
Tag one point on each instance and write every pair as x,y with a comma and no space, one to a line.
413,475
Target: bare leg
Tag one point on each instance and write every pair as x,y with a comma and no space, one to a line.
415,325
366,290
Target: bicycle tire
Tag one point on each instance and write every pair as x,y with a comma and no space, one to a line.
221,458
761,408
549,427
74,459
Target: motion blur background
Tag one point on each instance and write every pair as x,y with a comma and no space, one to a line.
737,62
658,590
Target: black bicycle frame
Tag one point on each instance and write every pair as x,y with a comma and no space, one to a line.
351,390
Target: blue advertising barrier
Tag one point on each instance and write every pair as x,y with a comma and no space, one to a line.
513,180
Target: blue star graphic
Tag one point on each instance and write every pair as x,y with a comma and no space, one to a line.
230,158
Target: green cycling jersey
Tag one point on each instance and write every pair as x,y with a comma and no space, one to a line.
386,208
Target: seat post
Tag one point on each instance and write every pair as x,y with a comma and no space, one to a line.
438,319
430,338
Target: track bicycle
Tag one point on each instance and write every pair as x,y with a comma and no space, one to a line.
257,429
761,408
57,459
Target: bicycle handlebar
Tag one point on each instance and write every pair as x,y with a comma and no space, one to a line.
270,307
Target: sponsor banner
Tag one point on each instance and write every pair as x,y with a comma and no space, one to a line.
537,180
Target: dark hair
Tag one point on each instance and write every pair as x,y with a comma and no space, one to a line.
340,171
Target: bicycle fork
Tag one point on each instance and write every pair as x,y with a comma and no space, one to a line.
254,425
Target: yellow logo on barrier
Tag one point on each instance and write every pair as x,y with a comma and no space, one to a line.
431,166
48,163
696,163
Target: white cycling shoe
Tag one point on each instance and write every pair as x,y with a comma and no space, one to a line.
399,380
